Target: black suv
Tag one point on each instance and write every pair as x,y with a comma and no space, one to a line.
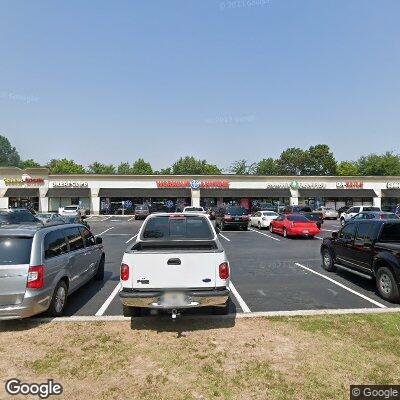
232,217
369,248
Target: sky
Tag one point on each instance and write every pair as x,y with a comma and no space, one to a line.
220,80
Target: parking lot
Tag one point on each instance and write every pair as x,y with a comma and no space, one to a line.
268,273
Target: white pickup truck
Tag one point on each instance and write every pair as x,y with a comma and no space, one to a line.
177,262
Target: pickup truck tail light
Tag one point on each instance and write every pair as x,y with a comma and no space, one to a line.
35,277
124,272
224,270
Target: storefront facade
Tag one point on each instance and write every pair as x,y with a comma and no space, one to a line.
36,189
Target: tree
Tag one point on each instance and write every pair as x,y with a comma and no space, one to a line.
243,167
9,156
65,166
30,163
374,164
141,167
190,166
267,166
347,168
124,168
163,171
100,168
319,160
292,161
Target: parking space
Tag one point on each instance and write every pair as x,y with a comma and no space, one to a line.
268,272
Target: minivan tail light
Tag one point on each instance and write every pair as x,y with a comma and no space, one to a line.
224,270
35,277
124,272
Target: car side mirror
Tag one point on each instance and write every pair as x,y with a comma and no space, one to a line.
335,235
217,230
83,216
99,240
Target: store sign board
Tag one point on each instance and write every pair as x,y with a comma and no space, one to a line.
350,185
194,184
70,184
393,185
25,181
295,185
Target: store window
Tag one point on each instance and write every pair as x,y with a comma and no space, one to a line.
55,203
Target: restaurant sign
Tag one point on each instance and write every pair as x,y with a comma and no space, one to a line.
393,185
194,184
25,180
350,185
295,185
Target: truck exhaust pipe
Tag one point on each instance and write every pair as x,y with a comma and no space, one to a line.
174,314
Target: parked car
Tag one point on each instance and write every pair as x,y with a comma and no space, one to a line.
50,218
328,213
176,263
12,216
141,211
296,209
75,219
41,266
353,211
262,219
316,217
232,217
374,215
341,210
294,225
72,210
369,248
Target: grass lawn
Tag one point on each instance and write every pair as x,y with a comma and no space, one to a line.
261,358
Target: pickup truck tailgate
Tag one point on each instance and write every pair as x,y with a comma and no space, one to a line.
162,270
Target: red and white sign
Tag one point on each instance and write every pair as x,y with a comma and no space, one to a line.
350,185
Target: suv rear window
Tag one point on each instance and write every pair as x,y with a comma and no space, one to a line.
390,233
15,250
236,211
297,218
170,228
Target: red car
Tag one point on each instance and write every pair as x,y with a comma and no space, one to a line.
294,225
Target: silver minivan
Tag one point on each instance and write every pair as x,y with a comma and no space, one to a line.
41,266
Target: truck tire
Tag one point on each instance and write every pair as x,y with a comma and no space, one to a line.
58,301
99,275
327,260
131,311
387,285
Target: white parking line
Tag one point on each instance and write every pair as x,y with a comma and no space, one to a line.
245,308
264,234
329,230
342,286
133,237
130,219
220,234
102,233
104,219
105,305
320,238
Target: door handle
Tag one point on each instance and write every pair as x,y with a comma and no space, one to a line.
174,261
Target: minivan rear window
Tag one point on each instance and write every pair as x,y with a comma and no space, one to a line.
15,250
171,228
236,211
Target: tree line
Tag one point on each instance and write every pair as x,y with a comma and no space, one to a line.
317,160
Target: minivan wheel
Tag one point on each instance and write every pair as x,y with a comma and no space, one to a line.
59,300
386,285
99,275
259,226
327,260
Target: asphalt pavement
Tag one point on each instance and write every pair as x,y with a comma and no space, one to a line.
268,273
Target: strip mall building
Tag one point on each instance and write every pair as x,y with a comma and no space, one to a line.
113,194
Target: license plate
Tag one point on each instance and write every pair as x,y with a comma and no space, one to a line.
173,299
237,219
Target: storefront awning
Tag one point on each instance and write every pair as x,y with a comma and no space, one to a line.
22,192
391,193
135,192
245,193
68,192
337,193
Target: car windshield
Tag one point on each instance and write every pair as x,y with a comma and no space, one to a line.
15,250
236,211
177,227
391,232
71,208
388,216
193,209
44,216
269,214
70,220
297,218
17,217
372,209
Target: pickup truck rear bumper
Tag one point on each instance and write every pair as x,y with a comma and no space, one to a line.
195,298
